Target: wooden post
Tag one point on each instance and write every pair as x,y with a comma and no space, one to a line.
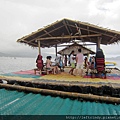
56,50
88,55
39,47
98,43
65,60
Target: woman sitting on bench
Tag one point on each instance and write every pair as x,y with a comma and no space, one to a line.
49,65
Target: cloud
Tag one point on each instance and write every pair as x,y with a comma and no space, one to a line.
21,17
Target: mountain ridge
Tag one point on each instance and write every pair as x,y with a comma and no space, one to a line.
44,54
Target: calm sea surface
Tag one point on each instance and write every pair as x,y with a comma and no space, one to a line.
11,64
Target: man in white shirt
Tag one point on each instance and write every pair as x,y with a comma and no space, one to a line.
79,61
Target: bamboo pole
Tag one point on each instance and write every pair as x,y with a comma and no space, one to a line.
63,94
56,50
98,42
69,37
39,48
68,84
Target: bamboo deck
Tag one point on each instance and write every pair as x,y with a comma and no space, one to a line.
65,85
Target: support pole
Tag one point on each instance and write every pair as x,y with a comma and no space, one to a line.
39,47
98,43
88,55
56,50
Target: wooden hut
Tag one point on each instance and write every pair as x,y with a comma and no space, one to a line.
75,47
63,31
67,31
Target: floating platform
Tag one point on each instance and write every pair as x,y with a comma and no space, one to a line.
65,85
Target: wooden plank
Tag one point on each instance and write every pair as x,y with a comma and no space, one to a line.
69,37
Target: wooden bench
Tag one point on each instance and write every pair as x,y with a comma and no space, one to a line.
44,71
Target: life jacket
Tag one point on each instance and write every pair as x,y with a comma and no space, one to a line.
99,53
100,60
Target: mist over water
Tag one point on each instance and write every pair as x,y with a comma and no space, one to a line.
11,64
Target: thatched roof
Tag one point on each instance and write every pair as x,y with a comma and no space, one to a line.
66,31
75,47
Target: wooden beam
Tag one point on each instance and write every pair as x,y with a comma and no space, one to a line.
66,27
46,45
112,38
35,45
39,48
93,31
77,44
46,33
69,37
71,31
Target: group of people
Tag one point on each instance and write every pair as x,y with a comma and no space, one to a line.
49,65
89,64
75,61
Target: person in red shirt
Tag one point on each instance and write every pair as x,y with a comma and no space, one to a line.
39,63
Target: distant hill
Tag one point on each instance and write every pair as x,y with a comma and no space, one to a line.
14,55
27,54
5,55
11,55
117,58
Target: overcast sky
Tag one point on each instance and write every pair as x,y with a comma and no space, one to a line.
21,17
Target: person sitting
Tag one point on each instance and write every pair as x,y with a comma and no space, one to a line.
39,63
57,60
92,65
49,65
87,64
59,63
